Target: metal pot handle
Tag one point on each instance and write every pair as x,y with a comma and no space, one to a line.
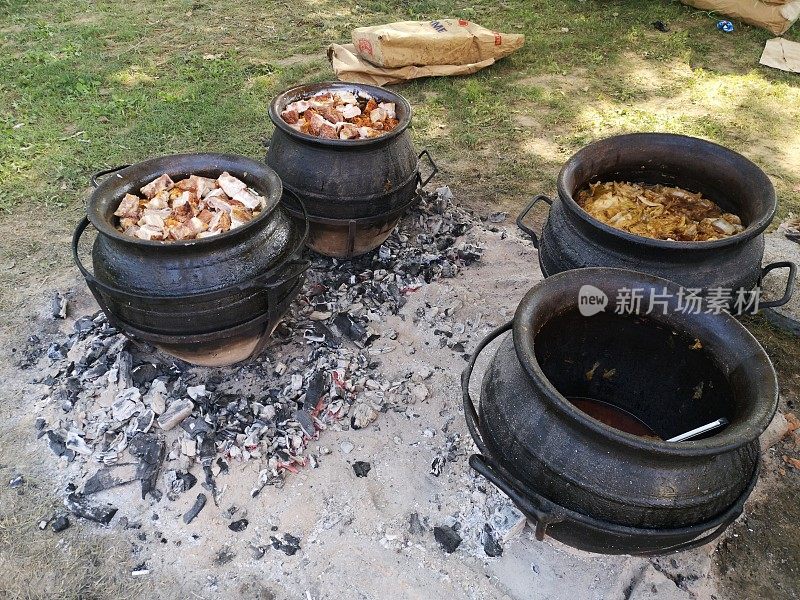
787,295
524,213
434,168
546,513
95,179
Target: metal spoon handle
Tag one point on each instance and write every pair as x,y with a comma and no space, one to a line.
700,430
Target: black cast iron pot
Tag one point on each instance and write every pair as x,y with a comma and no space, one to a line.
355,191
191,292
573,239
594,486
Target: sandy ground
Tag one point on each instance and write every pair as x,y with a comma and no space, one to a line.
354,532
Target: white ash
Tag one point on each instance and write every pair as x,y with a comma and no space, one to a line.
321,371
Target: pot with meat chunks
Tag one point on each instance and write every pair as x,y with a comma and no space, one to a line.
193,253
345,150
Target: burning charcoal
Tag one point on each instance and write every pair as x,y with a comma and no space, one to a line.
80,506
238,526
16,482
175,413
361,468
60,523
198,505
490,544
415,525
447,538
109,477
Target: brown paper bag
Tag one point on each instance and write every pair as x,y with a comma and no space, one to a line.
773,17
425,43
350,67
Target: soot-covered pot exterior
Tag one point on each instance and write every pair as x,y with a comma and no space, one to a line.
194,287
626,494
345,179
572,239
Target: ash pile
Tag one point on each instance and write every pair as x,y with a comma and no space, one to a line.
117,412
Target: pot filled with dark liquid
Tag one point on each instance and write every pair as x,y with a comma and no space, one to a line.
576,413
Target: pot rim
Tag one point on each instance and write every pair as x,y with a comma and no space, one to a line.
296,92
563,289
237,165
751,231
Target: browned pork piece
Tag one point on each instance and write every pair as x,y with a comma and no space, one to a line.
341,115
192,208
658,211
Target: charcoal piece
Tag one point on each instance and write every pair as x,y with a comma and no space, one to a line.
56,352
82,507
16,482
58,306
361,468
195,426
437,465
84,324
289,545
331,339
224,556
109,477
316,387
150,450
60,523
303,417
239,526
223,466
349,327
491,546
144,373
198,505
189,480
56,443
447,537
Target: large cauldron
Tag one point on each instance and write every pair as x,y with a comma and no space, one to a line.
594,486
194,296
572,239
355,190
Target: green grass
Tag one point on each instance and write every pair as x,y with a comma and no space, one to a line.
89,85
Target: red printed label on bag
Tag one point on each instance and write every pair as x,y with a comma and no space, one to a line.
463,22
365,46
498,39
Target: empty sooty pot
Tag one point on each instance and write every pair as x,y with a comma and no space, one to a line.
591,485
